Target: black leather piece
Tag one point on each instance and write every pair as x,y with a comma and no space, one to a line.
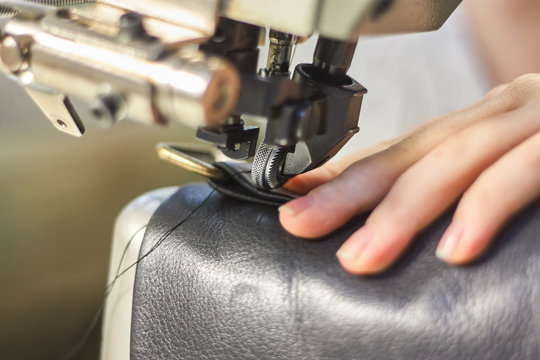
229,283
239,186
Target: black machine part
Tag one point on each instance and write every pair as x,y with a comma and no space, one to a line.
309,117
304,134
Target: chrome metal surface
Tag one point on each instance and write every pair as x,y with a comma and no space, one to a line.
13,54
6,12
10,8
199,15
58,109
279,53
342,19
157,84
267,168
109,108
297,17
175,155
140,60
56,3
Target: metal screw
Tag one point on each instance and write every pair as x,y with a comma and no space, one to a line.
109,109
12,54
132,28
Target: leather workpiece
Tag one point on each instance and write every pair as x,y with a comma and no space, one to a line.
230,283
238,184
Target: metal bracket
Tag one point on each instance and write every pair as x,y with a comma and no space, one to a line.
58,109
177,154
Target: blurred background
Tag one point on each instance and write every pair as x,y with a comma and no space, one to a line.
59,197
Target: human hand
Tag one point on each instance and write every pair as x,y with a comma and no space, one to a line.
488,152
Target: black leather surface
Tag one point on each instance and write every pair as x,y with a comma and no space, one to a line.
229,283
240,186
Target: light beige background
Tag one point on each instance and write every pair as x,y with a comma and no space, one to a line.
59,197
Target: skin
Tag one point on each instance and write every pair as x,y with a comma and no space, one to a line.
506,32
488,154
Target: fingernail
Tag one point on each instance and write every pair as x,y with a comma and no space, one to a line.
449,242
296,206
354,246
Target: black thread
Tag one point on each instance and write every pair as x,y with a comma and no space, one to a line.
84,338
108,289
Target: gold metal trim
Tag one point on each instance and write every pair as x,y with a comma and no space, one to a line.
175,155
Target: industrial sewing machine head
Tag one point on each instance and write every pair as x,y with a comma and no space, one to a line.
195,61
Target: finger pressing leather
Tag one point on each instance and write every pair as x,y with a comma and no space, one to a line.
425,135
497,195
426,189
362,185
357,189
304,183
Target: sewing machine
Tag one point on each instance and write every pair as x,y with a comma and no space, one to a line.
195,62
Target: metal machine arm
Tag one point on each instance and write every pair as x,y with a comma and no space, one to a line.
195,61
